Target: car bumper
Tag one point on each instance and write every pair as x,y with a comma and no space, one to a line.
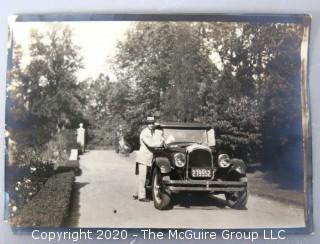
204,185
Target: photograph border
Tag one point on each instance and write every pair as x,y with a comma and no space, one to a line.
304,19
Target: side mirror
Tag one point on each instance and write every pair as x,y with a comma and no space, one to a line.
211,138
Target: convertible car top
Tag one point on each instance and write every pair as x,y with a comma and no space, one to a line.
180,125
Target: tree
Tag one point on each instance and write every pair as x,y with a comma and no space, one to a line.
46,92
261,61
170,68
98,93
238,77
162,66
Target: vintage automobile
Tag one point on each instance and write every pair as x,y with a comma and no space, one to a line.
188,162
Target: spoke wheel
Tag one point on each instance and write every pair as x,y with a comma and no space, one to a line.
237,200
161,197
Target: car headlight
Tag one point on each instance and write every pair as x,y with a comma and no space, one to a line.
223,161
179,159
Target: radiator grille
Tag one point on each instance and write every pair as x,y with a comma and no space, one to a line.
199,158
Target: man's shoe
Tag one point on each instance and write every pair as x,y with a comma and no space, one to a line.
144,200
134,197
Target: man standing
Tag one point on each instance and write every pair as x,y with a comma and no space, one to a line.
148,140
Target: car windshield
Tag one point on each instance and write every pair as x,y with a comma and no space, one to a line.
185,135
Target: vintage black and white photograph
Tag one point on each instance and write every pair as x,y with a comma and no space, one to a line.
158,121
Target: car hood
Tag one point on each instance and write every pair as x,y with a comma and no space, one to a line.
195,146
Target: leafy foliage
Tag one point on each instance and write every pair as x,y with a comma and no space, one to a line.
50,206
46,94
34,165
238,128
242,78
26,181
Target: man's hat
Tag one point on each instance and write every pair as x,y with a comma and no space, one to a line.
150,120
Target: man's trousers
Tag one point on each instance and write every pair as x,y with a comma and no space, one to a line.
140,181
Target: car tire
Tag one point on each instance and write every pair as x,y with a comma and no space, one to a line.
238,200
161,197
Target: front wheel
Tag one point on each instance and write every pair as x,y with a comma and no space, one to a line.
161,197
238,200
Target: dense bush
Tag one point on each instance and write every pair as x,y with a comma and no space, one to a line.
50,206
69,138
34,166
24,182
100,138
55,151
237,129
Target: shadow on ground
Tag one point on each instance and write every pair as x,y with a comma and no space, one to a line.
199,200
287,178
278,183
74,211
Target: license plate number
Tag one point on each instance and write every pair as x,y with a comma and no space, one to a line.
201,172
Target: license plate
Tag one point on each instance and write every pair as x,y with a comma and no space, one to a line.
195,172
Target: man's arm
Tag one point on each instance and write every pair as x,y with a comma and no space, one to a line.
150,141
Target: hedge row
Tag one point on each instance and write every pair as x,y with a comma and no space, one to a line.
50,206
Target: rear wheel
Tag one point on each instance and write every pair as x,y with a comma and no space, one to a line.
161,197
238,200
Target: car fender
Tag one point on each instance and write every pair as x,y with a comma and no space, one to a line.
238,166
163,164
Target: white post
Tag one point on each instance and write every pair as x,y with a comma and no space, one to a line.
81,136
